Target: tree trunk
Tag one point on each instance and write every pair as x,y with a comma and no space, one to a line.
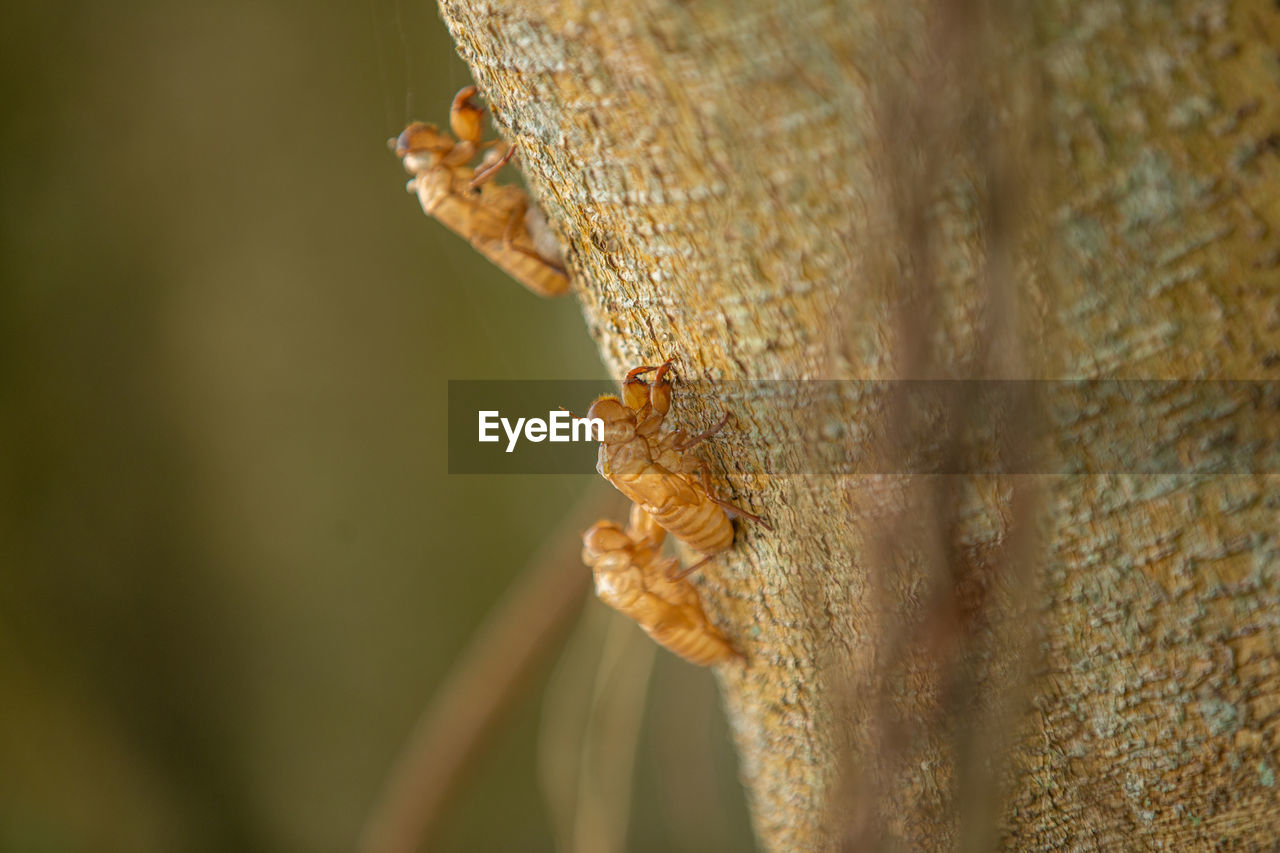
802,190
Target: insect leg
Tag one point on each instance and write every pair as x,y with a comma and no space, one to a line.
635,392
643,529
685,442
649,368
736,510
660,391
466,117
488,170
635,372
510,242
659,398
684,573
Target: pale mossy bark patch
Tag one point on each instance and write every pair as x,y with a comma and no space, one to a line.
809,189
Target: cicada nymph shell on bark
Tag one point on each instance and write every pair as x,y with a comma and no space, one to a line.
499,221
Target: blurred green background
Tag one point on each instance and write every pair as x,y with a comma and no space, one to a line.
233,568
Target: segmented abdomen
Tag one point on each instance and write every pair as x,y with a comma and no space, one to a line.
676,502
701,645
483,219
702,525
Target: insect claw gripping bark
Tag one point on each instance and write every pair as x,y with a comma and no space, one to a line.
631,578
497,220
488,169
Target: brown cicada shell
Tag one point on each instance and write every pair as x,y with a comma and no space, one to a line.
654,468
631,578
499,221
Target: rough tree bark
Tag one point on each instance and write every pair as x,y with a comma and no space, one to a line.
806,189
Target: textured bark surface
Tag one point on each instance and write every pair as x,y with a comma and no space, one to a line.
804,189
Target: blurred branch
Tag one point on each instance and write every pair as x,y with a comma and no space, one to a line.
591,722
491,675
608,756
